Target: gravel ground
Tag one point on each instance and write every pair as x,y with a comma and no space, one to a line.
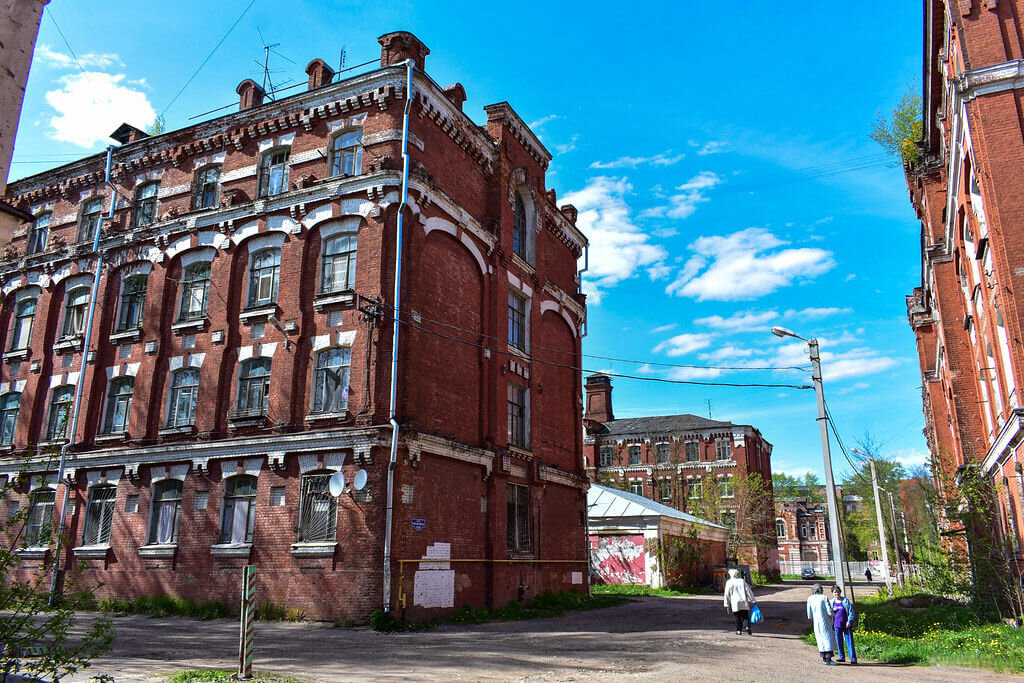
652,638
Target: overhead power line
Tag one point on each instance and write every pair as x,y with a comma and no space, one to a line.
49,13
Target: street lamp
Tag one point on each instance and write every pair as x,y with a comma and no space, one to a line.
830,487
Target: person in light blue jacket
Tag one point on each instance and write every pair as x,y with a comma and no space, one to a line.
819,611
842,622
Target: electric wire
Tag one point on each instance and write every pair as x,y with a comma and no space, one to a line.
49,13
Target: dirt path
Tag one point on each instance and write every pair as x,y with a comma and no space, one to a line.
653,638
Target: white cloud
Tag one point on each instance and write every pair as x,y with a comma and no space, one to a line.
662,159
619,248
569,146
687,374
665,233
851,276
911,457
91,105
817,313
539,123
60,60
659,271
726,353
744,321
709,147
663,328
684,203
835,365
745,265
682,344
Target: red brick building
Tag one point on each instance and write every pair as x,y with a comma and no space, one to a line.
967,313
801,527
673,458
241,353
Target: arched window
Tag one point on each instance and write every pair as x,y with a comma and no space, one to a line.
318,509
9,404
519,228
263,272
332,374
145,204
40,518
274,172
133,303
89,219
99,514
38,234
239,517
195,287
254,387
780,528
181,410
164,513
207,187
60,412
21,329
74,312
339,263
347,153
119,405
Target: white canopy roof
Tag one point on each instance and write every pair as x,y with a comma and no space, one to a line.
608,502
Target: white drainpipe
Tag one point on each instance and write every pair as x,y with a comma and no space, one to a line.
80,384
388,519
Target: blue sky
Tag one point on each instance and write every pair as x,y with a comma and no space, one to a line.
719,156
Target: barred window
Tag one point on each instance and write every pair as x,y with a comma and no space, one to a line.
207,187
38,234
119,405
518,520
9,405
339,264
347,153
165,511
184,389
195,286
145,204
21,330
40,518
239,509
89,219
332,375
318,509
133,303
99,515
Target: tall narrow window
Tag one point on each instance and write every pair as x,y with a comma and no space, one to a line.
74,312
332,374
263,273
273,172
696,487
665,489
119,405
728,490
21,330
663,453
89,219
237,522
517,308
99,515
184,389
692,451
635,455
164,513
780,528
207,187
195,287
318,509
38,234
9,405
723,449
40,518
339,264
518,433
347,153
607,456
133,303
254,387
60,413
636,486
518,518
519,227
145,204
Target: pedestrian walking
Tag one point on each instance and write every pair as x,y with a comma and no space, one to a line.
738,599
819,611
842,622
867,574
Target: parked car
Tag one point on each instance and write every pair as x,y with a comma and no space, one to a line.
807,573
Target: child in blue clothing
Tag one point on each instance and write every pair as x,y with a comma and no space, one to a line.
842,622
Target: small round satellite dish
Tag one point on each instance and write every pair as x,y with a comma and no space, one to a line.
360,480
337,484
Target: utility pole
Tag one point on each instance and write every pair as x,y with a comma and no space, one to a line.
881,527
896,539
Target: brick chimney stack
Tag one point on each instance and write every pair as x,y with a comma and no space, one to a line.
249,94
570,212
456,93
599,398
399,46
319,73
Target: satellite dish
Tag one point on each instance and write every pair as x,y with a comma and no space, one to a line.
337,484
360,480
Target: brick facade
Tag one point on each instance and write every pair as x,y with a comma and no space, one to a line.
259,352
802,530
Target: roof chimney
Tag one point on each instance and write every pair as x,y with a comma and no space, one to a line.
319,73
399,46
456,93
599,398
249,94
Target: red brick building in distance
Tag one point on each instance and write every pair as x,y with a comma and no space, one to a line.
968,313
241,354
801,527
668,458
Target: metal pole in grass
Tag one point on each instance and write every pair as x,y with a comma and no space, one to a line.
246,640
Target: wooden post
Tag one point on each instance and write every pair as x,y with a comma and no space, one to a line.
246,644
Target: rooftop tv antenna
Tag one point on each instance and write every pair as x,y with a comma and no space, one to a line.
265,66
341,60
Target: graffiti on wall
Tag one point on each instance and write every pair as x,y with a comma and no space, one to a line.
618,559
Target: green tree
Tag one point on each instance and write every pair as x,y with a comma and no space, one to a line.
900,134
788,487
158,126
860,527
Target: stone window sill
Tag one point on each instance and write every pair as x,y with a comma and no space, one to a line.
188,326
314,549
523,263
91,552
231,549
111,437
158,551
240,420
52,442
34,553
15,355
318,416
126,336
68,344
333,299
174,431
260,312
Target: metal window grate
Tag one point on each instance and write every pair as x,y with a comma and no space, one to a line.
318,513
99,515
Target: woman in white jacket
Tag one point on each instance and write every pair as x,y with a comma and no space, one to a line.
738,599
819,611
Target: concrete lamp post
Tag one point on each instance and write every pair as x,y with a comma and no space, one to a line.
835,543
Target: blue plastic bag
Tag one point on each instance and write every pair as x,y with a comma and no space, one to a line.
755,615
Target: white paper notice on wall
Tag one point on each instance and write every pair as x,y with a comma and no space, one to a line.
434,588
577,577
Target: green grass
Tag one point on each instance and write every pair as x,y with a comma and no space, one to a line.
944,634
547,604
167,605
226,676
635,589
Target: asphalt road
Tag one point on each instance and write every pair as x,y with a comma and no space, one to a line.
651,639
